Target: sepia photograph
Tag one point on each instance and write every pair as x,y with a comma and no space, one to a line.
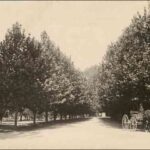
75,74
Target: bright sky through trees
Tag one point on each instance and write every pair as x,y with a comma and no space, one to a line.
82,29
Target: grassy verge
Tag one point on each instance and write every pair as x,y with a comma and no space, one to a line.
27,126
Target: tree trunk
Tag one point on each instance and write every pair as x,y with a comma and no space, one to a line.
1,118
20,116
16,117
61,117
65,117
46,116
55,115
34,118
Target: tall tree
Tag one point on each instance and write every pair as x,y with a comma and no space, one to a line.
124,73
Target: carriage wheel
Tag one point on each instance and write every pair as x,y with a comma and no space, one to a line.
146,125
133,124
125,122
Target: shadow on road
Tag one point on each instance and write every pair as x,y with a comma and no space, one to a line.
9,131
108,122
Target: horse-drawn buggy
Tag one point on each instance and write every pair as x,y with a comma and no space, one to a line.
137,117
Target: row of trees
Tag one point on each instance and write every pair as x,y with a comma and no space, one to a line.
124,74
36,75
91,75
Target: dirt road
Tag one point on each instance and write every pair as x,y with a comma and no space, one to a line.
94,133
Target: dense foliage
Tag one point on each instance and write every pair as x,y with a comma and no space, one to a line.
91,75
124,74
35,76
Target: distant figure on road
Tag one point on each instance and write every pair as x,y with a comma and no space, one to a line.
141,109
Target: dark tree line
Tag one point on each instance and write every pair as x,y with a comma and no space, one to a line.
37,76
124,74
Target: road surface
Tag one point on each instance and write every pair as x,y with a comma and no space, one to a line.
94,133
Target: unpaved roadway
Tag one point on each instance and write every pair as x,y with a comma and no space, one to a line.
94,133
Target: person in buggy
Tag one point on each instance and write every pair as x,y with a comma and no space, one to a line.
146,120
146,115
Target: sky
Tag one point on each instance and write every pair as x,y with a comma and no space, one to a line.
82,29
